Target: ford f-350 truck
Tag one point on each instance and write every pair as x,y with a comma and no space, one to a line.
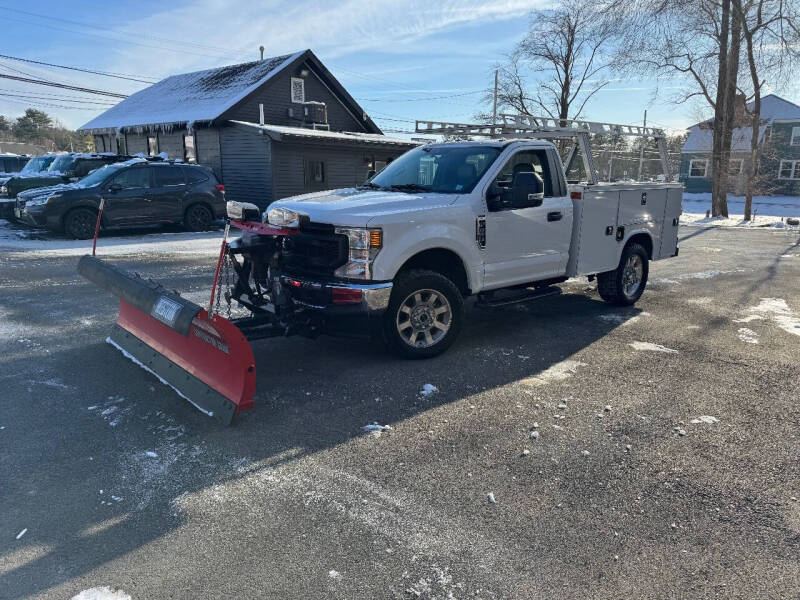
397,257
445,222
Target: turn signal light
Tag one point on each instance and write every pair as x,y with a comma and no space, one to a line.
575,195
375,238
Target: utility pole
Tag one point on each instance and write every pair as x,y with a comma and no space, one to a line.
494,109
641,149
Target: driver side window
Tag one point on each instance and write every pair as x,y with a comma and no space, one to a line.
527,161
133,178
523,182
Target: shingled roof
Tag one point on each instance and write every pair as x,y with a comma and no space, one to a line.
201,96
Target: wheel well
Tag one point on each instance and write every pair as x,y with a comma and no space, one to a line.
645,240
73,209
443,261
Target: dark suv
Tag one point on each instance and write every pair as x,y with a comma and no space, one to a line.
136,192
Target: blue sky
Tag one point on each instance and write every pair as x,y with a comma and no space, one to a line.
400,60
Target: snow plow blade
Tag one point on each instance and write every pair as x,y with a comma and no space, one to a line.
207,360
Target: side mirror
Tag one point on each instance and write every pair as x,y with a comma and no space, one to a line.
114,188
495,197
527,190
370,174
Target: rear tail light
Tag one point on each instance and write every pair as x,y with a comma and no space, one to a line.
220,187
345,295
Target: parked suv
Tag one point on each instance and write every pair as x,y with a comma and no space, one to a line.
32,167
11,164
65,168
137,192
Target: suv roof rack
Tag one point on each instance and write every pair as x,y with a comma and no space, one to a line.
548,128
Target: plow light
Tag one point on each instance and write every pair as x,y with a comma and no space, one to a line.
242,211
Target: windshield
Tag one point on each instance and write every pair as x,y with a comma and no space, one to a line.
38,163
98,176
444,169
62,164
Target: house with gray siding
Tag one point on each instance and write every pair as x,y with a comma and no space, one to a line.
778,171
269,129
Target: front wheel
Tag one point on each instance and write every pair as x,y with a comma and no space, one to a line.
80,223
625,285
424,316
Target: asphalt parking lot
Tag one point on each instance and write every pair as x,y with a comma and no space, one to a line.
575,416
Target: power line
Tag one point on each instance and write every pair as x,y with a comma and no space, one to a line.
104,73
62,99
37,103
63,85
420,99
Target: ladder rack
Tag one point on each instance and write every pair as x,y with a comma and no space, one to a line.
548,128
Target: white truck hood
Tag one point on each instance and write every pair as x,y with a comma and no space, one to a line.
351,207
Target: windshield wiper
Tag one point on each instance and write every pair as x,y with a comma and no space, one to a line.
410,187
370,185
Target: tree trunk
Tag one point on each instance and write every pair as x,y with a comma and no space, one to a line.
717,194
731,81
755,148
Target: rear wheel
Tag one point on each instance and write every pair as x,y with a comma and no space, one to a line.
625,284
80,223
197,218
424,315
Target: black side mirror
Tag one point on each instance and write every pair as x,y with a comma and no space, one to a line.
495,197
370,174
114,188
527,190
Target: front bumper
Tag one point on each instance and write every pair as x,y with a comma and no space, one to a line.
37,216
7,208
345,309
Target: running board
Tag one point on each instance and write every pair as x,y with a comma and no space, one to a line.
526,296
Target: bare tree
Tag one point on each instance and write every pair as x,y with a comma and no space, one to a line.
558,66
771,37
694,44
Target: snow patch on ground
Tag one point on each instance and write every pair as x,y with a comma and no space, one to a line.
779,312
748,335
428,389
622,319
102,593
649,346
376,429
707,419
557,372
769,211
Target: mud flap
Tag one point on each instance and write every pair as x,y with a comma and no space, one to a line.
207,360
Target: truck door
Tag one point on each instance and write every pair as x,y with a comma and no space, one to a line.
526,242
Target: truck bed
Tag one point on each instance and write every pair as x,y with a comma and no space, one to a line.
605,215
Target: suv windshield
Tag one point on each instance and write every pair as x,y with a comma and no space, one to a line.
62,164
38,163
443,169
98,176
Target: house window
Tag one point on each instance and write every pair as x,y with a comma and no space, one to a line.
795,137
698,167
317,168
152,145
298,90
789,169
189,152
735,166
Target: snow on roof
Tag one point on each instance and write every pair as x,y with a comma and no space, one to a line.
198,96
276,132
773,108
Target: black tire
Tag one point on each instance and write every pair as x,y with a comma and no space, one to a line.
436,292
611,285
80,223
197,218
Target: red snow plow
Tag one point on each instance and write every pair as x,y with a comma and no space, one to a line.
203,356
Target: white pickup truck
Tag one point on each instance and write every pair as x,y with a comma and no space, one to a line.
400,254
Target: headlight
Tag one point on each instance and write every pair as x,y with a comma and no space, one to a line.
39,200
283,217
363,246
3,189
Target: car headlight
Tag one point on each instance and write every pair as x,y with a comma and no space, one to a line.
363,246
283,217
39,200
3,189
